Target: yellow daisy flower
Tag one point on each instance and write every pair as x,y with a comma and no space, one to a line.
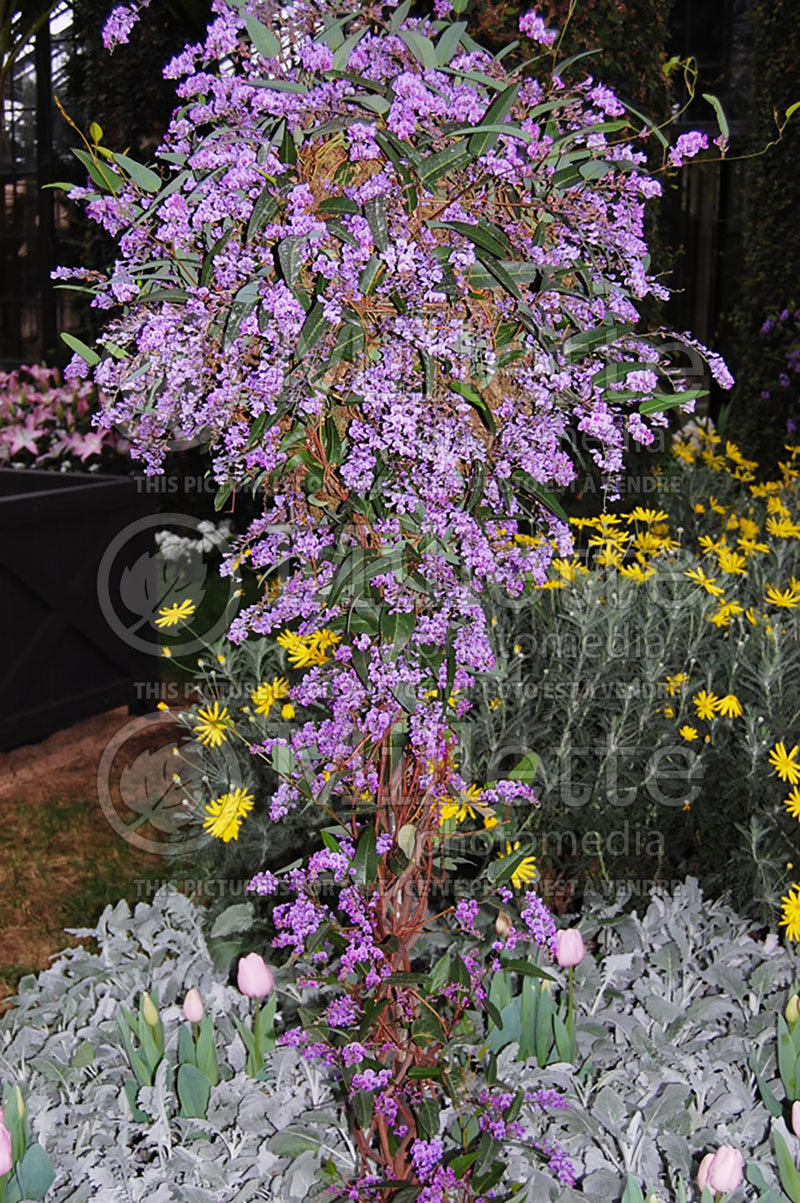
722,616
170,616
790,918
730,706
683,451
525,870
213,726
783,528
706,704
732,563
676,683
688,733
641,514
224,814
635,572
784,763
699,577
787,599
792,803
266,695
569,569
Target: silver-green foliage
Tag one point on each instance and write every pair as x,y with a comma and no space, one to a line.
62,1046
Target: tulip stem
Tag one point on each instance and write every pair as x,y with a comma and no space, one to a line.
258,1058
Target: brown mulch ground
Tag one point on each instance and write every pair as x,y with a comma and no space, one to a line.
61,861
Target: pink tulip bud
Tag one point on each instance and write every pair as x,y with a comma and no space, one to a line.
193,1009
722,1171
254,978
6,1158
570,947
702,1172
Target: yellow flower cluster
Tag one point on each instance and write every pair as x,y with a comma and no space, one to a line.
308,650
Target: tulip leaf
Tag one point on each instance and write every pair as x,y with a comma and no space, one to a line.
246,1035
633,1191
786,1058
790,1179
34,1173
564,1042
186,1050
206,1050
768,1098
525,967
194,1091
545,1010
527,1018
265,1026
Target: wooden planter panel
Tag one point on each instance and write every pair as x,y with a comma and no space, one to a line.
61,661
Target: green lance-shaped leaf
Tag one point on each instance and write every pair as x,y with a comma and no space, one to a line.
444,161
99,173
337,204
284,761
496,269
194,1091
499,109
80,348
421,47
661,401
143,177
313,329
375,213
262,38
488,238
365,861
722,120
448,43
363,1105
399,15
249,1043
264,210
428,1117
347,47
136,1062
290,256
527,969
407,839
131,1090
526,769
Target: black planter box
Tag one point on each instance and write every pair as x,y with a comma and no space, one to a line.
61,661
